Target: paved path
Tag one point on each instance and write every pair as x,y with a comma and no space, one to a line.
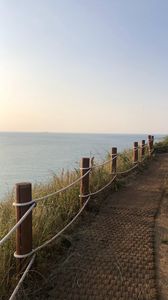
114,257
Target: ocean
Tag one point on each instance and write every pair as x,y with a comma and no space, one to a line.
34,157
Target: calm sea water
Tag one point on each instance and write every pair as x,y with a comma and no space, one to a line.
35,156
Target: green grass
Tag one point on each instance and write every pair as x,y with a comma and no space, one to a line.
162,146
49,216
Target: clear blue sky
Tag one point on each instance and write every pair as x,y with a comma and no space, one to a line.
84,65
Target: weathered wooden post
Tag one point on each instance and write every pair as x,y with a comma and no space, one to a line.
84,185
24,231
135,153
150,144
114,160
142,149
152,141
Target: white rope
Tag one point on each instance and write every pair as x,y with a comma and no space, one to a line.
140,146
143,146
73,183
62,189
22,278
23,204
94,193
55,236
106,162
124,172
16,225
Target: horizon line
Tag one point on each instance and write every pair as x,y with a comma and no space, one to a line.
74,132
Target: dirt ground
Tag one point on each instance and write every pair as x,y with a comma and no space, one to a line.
115,254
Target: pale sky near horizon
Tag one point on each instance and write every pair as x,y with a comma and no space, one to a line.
84,66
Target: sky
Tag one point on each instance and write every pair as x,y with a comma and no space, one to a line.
84,66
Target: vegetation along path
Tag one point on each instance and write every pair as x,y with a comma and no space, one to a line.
114,258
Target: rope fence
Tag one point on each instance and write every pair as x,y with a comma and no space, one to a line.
127,171
100,190
104,163
7,236
55,236
63,189
25,204
13,296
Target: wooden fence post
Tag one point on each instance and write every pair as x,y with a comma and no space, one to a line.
114,160
84,185
152,141
142,149
135,152
150,144
24,231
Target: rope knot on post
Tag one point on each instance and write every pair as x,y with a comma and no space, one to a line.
25,204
